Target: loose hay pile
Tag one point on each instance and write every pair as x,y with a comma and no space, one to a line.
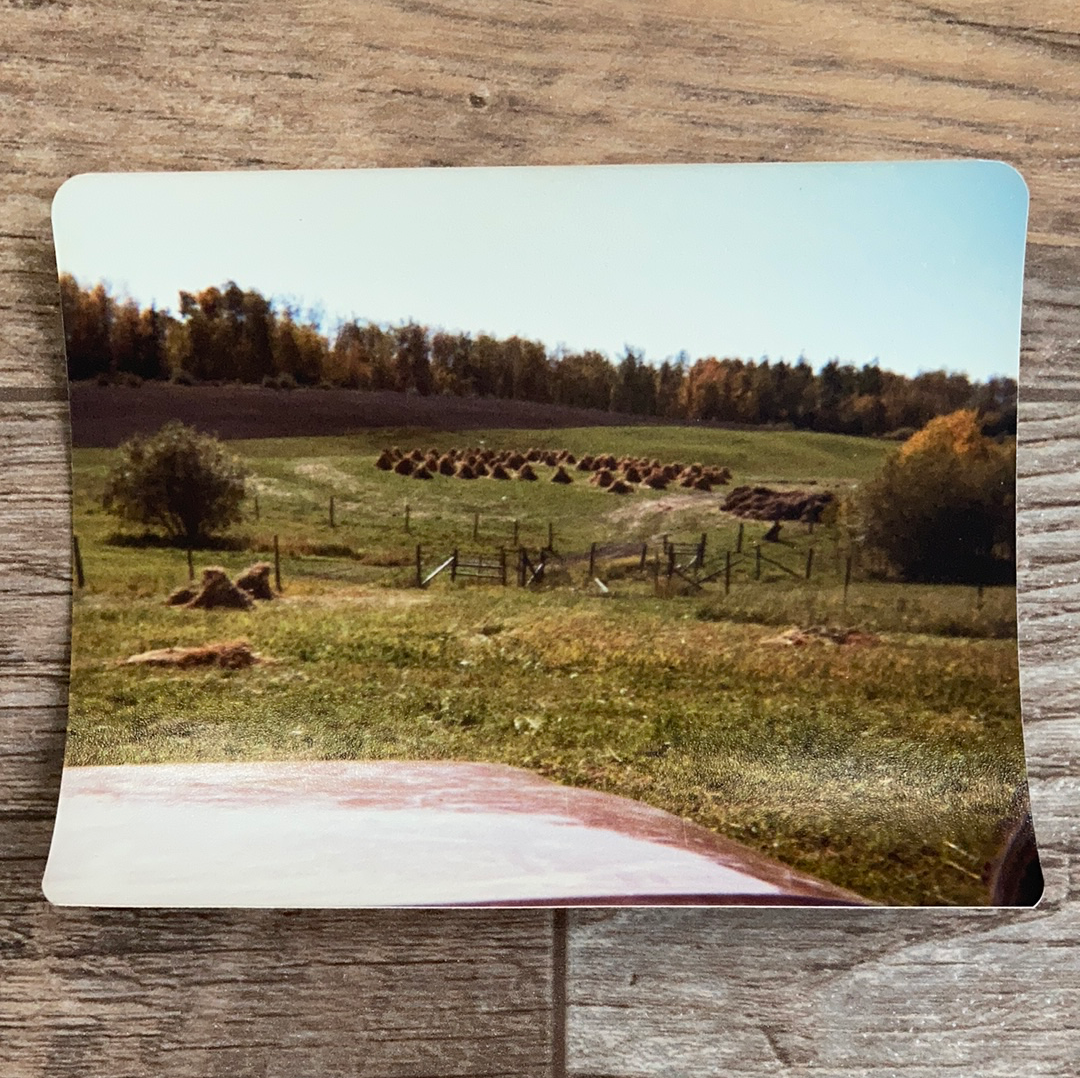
217,591
763,503
255,580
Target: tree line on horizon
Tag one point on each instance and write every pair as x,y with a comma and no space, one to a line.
227,334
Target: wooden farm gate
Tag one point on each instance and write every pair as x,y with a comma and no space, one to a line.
481,567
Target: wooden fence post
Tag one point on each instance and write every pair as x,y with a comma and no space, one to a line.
551,536
502,564
515,543
256,507
453,565
757,561
80,576
809,562
419,571
701,550
332,524
277,566
475,526
727,572
521,566
592,561
190,564
738,541
407,517
670,562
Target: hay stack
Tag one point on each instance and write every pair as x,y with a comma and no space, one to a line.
217,591
446,465
702,483
499,472
602,478
404,466
687,480
255,580
421,473
532,456
656,480
515,460
568,457
619,487
180,596
416,456
550,459
585,464
480,468
384,461
526,472
561,476
464,471
631,474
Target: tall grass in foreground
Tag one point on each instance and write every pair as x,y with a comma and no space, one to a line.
883,768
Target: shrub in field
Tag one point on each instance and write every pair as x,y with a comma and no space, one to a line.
943,509
178,480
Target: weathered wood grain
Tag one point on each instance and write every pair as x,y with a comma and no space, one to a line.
90,85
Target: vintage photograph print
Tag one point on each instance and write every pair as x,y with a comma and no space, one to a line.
544,536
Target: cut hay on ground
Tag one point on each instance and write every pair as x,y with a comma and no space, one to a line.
228,655
823,634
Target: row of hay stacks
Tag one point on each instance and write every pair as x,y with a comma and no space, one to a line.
763,503
216,591
617,475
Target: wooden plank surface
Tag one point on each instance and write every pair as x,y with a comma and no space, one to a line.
89,85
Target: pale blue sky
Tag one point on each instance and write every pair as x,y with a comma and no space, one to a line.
919,264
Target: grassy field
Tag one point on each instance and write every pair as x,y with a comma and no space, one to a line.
883,767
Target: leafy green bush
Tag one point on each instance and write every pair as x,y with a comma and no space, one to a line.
943,509
178,480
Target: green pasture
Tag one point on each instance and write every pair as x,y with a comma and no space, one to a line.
885,768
